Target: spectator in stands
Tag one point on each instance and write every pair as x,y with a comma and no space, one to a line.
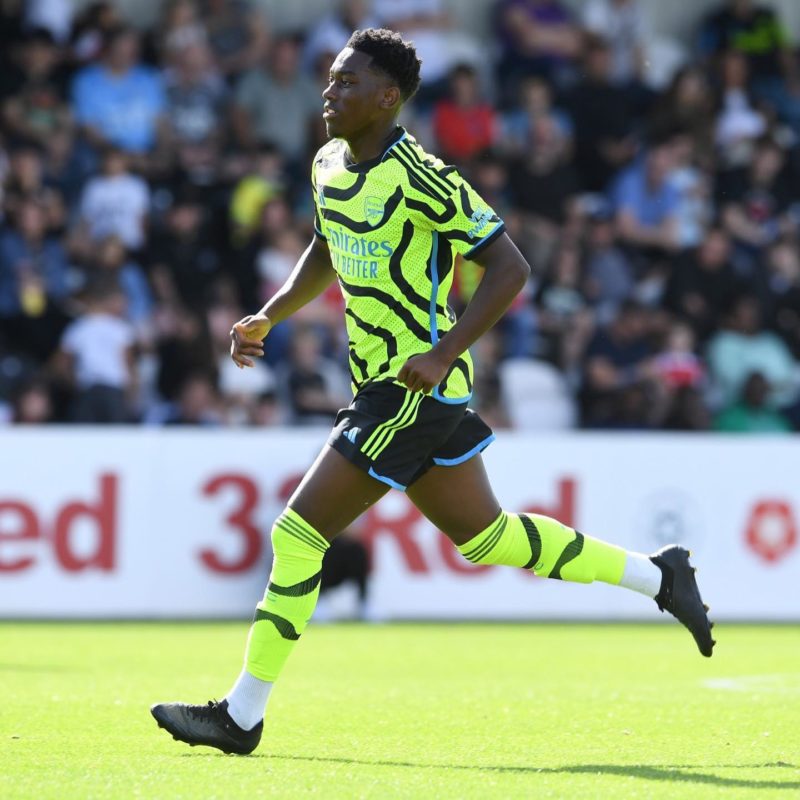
32,403
119,101
330,34
258,268
677,365
489,174
63,170
198,403
618,364
183,257
90,31
782,292
646,203
744,347
679,381
97,358
535,102
487,354
758,204
264,182
180,28
621,23
266,411
109,260
53,16
537,37
739,122
35,104
274,104
609,273
239,390
757,32
688,105
543,187
183,348
316,385
752,413
197,101
693,183
34,282
703,284
438,43
565,319
464,123
605,119
114,203
238,34
25,183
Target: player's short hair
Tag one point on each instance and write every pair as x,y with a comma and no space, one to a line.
392,55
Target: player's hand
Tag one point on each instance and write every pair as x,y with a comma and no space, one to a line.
421,373
247,339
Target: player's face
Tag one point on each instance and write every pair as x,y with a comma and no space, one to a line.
356,96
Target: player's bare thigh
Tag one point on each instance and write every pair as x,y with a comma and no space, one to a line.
333,493
458,500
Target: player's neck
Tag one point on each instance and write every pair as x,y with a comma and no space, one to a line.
371,144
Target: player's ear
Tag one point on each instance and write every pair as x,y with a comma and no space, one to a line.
391,97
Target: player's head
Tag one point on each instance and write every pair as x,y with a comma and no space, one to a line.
370,79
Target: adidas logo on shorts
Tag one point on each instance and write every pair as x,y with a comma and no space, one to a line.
351,434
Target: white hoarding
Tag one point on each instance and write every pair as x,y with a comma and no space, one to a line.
147,523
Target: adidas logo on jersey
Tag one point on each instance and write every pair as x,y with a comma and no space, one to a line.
351,434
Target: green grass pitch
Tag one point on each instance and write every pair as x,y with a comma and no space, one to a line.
417,711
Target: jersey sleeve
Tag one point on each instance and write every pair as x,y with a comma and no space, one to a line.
319,199
474,225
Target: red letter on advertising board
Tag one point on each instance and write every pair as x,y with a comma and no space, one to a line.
241,520
771,530
400,528
104,514
564,509
28,528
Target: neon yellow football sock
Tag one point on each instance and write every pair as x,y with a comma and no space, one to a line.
546,546
281,617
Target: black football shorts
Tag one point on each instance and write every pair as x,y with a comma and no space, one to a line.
396,435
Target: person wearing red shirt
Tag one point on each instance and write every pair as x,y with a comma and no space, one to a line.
464,124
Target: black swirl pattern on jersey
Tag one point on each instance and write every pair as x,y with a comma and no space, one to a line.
396,271
449,212
361,364
332,193
394,305
462,366
364,227
382,333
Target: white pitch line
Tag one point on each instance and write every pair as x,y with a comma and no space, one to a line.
783,683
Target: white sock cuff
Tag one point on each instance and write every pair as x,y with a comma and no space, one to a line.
641,575
247,700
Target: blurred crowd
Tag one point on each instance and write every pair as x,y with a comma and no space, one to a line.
155,188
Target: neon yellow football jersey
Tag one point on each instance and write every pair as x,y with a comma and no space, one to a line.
394,225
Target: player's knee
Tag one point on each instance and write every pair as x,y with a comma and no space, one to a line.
291,537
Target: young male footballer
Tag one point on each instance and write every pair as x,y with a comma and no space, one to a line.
389,221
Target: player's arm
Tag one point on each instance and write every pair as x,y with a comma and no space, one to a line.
312,274
505,273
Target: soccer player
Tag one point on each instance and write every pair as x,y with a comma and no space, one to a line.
389,221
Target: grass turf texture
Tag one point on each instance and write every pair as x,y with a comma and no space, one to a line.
422,711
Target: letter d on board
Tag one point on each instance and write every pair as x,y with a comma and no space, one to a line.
103,513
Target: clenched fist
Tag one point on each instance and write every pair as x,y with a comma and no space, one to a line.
247,339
